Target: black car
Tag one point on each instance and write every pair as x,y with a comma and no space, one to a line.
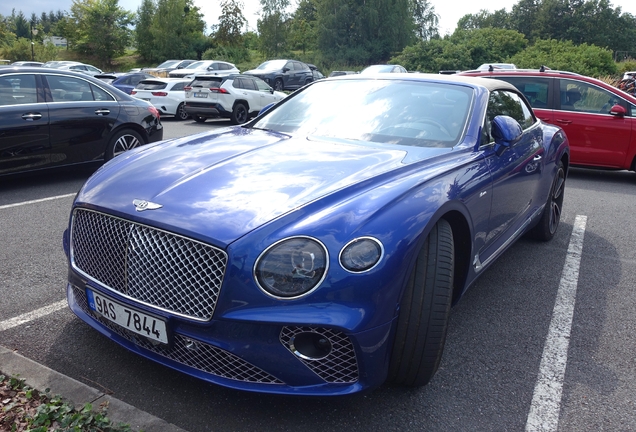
52,118
283,74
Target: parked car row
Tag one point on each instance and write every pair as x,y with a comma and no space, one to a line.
52,117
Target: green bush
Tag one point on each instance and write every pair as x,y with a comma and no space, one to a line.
584,59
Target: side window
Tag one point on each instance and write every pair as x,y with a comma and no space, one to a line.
583,97
69,89
17,90
249,84
179,86
534,89
99,94
289,65
507,103
262,86
238,83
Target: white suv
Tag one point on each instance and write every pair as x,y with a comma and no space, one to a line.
237,97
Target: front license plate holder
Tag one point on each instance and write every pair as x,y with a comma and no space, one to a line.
132,319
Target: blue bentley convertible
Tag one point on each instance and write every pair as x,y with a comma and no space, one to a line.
316,250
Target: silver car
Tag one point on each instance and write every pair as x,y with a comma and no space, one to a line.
205,67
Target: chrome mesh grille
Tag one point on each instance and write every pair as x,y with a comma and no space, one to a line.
149,265
190,352
340,366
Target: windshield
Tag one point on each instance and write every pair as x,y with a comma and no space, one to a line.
272,64
378,69
413,113
196,65
168,63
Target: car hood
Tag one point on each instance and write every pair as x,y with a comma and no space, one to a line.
262,71
222,185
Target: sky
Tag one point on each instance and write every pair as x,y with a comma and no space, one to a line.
449,11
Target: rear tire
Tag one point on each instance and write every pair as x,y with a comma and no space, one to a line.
239,114
122,141
424,311
181,113
551,216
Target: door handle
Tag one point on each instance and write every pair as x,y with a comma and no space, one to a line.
537,158
546,119
31,116
101,112
563,121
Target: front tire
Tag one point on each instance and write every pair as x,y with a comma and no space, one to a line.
199,119
424,311
278,85
124,140
551,216
239,114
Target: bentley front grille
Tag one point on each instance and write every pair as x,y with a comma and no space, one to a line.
187,351
149,265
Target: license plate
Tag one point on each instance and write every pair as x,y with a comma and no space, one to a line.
200,95
131,319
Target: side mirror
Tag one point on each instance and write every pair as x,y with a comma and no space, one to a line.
271,90
618,111
505,131
285,69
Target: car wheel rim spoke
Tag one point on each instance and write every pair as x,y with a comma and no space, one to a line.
558,190
125,143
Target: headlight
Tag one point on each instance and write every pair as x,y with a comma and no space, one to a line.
291,267
361,254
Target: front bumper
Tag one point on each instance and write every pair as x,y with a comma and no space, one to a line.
252,356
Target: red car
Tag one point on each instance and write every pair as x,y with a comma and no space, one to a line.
598,119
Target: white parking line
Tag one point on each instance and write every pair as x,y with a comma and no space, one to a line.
546,401
33,315
36,201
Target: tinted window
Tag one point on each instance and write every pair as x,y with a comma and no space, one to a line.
17,89
583,97
179,86
249,84
99,94
534,89
65,89
151,85
206,82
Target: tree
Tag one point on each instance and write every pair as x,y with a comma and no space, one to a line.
426,20
351,31
143,29
273,27
231,23
177,30
103,30
303,26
